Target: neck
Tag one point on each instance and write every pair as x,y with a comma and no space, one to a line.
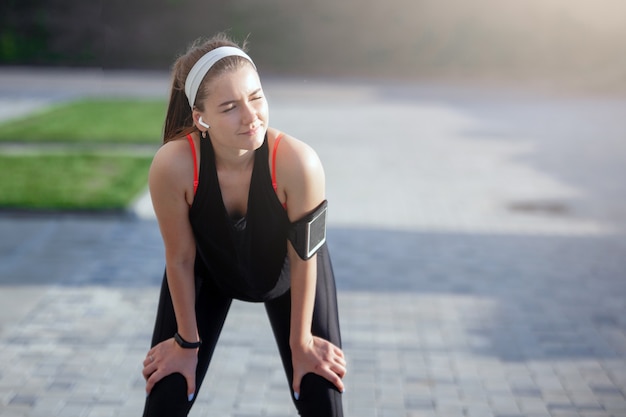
233,159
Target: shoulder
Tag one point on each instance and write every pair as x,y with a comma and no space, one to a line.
171,164
295,157
300,176
172,156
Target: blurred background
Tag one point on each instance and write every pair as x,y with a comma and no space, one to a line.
559,43
475,157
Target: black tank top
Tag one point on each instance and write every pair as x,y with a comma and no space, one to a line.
246,259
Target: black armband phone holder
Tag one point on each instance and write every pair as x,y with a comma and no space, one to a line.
308,234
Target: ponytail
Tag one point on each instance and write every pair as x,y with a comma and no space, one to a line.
178,119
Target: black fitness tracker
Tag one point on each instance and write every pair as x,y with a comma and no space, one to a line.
185,344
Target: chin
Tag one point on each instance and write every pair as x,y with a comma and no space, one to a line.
259,138
254,142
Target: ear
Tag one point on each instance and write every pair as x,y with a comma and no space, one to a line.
196,120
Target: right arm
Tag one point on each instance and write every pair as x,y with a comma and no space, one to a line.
170,193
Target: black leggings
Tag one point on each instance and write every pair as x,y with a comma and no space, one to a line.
318,397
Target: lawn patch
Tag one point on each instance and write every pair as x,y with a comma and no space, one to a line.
90,121
83,181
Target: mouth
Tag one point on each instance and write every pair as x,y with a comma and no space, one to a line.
252,132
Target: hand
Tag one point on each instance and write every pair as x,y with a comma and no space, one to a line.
320,357
168,358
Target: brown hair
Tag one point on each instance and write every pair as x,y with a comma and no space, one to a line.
179,120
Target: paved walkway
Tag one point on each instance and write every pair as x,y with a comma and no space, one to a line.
478,238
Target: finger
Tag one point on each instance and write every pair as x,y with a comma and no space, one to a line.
191,386
339,360
149,359
333,378
149,370
297,379
338,366
339,370
151,352
152,380
149,385
337,351
334,361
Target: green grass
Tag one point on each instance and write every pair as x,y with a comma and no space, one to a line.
74,179
71,181
90,121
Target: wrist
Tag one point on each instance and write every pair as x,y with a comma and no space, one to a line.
301,342
186,344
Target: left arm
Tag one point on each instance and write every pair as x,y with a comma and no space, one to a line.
304,187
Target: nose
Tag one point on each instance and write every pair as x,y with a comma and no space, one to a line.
248,114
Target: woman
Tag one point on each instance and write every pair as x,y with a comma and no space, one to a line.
241,210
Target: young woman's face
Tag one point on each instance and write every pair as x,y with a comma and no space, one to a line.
236,110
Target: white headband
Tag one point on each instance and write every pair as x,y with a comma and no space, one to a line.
204,64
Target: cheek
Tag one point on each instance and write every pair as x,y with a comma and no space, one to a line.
230,119
263,110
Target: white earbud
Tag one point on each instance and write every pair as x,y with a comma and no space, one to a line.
201,123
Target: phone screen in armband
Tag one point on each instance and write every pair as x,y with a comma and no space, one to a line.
316,232
309,234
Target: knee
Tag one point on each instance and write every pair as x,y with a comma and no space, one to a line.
319,397
168,398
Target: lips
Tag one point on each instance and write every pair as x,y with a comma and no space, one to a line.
252,131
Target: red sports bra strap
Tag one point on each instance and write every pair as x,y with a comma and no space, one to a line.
195,163
276,142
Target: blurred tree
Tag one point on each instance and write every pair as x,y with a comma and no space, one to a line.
50,32
23,35
576,42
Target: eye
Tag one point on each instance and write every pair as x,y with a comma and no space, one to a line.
229,109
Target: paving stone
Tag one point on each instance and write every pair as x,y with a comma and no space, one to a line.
462,297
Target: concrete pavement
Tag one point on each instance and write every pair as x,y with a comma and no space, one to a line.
478,238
